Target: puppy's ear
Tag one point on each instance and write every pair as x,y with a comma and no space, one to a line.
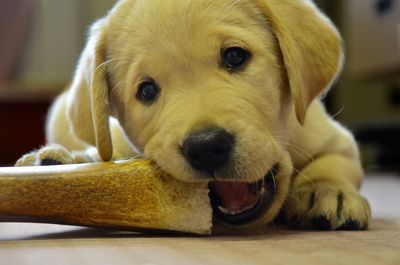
88,104
310,45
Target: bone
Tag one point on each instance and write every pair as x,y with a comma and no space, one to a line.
127,195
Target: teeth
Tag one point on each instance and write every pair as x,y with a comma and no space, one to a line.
225,211
229,212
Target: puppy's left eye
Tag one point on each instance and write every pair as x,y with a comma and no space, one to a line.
148,92
234,58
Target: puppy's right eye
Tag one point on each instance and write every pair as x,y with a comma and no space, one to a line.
148,92
235,57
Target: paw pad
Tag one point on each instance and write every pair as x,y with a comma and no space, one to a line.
50,162
321,222
352,225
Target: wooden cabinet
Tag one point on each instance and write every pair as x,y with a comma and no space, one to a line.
369,89
22,121
40,48
372,32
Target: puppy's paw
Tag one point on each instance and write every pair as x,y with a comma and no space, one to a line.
327,206
46,156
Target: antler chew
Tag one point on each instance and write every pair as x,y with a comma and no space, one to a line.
131,195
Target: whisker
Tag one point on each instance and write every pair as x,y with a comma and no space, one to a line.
110,61
297,147
129,78
274,181
233,4
300,152
338,113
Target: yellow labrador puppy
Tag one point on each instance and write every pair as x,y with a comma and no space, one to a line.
225,90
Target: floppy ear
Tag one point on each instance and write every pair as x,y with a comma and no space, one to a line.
310,45
88,105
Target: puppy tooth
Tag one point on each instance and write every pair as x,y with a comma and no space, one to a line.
223,210
228,212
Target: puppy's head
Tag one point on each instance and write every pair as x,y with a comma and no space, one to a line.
205,88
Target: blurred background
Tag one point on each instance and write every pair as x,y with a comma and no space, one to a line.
40,42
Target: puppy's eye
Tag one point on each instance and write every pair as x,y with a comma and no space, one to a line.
234,58
148,92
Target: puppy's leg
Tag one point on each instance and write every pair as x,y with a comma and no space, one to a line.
57,155
48,155
324,195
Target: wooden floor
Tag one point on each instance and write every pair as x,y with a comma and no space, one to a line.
51,244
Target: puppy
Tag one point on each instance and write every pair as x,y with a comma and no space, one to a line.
223,90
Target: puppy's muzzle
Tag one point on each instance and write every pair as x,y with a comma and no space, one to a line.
208,150
235,202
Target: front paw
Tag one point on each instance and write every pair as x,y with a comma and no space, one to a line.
46,156
327,206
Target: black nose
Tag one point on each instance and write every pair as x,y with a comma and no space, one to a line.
208,150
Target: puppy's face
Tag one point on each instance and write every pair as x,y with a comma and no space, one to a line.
201,88
203,94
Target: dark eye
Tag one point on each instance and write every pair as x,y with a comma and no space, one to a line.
234,58
148,92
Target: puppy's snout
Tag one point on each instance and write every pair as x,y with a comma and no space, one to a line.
208,150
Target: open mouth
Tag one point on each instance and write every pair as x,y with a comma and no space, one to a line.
238,203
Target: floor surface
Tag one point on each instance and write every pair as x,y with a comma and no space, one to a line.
53,244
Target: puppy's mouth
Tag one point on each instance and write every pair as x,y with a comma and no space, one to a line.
238,203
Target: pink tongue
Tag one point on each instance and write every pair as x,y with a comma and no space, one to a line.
234,197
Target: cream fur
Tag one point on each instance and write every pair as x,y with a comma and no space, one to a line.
272,107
